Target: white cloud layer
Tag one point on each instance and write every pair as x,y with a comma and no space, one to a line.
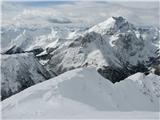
86,13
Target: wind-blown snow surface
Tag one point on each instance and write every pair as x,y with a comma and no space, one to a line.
83,93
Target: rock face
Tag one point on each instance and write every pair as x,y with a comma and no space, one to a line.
13,50
20,71
113,45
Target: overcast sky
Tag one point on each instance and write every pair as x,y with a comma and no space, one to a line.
78,12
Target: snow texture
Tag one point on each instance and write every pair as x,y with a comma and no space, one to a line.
83,93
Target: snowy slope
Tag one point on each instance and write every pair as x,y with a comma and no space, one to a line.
84,93
20,71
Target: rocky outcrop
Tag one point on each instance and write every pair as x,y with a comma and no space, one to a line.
12,50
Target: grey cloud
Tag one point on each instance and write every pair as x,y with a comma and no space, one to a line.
59,20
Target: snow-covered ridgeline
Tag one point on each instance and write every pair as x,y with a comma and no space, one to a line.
82,92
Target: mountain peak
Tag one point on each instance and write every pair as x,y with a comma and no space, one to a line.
111,25
119,18
115,20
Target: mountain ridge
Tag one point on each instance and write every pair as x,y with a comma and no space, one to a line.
115,47
83,90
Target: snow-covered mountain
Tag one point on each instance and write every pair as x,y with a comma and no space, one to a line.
84,93
113,45
80,59
20,71
29,37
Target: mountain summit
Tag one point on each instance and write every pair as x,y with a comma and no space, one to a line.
112,25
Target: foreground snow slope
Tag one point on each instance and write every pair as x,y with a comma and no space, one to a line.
84,93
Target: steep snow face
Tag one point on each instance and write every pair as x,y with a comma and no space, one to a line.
114,42
20,71
82,91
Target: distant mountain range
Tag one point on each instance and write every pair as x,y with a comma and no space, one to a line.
115,47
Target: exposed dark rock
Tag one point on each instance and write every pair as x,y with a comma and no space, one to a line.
37,50
157,70
113,74
117,74
13,50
